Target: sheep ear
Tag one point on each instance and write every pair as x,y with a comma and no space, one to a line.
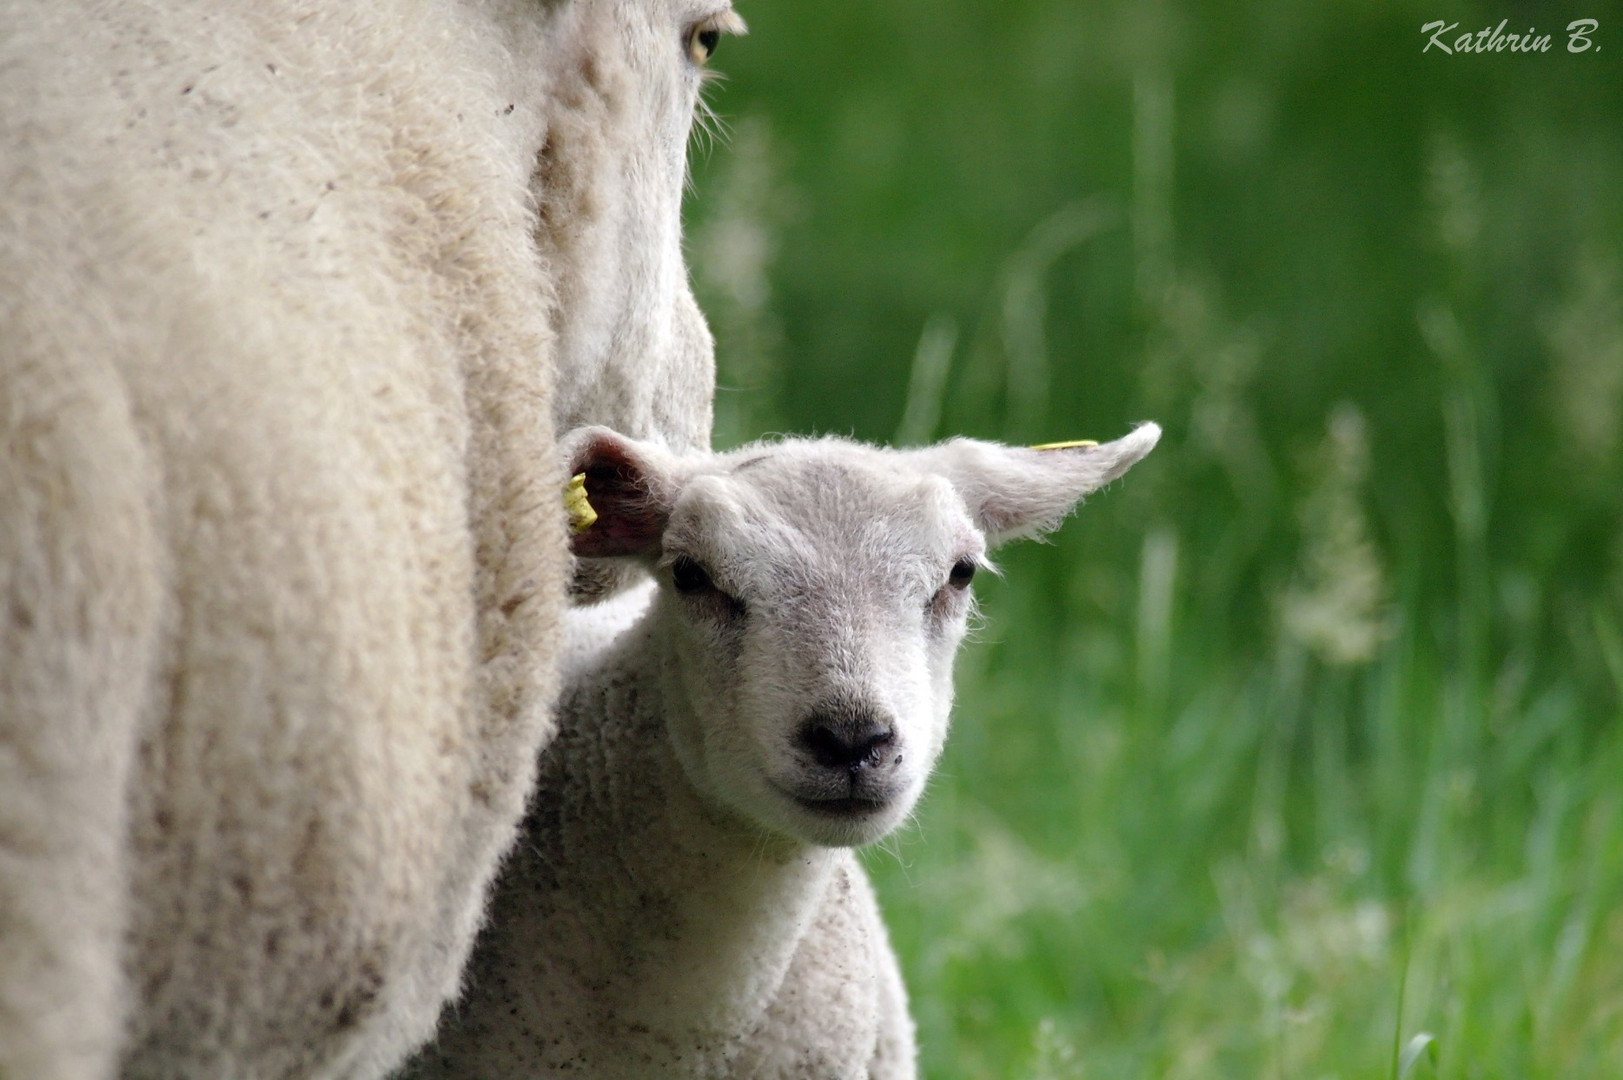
620,494
1026,491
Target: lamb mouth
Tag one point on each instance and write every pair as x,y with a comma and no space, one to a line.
849,807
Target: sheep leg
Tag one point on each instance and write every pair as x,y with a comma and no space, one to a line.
895,1052
79,600
841,1010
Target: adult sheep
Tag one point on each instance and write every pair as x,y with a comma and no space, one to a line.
285,290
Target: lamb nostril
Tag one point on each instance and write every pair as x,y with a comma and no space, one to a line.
835,745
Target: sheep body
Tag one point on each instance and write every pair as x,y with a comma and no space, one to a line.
283,290
684,901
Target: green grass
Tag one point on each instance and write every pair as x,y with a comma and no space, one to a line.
1242,883
1298,753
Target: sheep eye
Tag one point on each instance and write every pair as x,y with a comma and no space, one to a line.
689,577
705,35
702,45
693,581
963,572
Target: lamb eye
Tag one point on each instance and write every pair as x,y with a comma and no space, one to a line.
963,572
689,577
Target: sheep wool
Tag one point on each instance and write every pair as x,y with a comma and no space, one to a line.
292,294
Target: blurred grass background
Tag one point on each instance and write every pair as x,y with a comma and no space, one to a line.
1302,743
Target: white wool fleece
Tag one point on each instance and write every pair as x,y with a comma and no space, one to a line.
684,901
291,295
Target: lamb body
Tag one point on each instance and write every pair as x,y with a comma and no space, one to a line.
290,295
684,901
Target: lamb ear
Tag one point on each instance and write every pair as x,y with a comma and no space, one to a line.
1026,491
620,496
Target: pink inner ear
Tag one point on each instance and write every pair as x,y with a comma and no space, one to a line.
630,517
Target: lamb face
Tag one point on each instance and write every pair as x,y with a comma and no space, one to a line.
814,602
812,596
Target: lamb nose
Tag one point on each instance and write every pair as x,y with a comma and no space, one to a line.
838,743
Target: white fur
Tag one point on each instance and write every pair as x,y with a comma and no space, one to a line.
283,289
684,901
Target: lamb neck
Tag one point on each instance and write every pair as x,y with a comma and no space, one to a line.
681,927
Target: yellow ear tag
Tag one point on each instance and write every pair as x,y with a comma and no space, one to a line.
581,514
1065,445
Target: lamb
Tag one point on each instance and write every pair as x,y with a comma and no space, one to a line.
684,901
291,295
